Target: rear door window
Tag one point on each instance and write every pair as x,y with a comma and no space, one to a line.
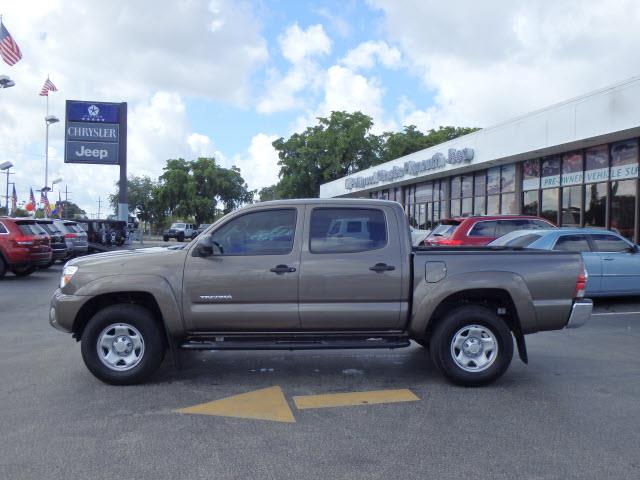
484,229
524,240
359,230
3,229
609,243
572,243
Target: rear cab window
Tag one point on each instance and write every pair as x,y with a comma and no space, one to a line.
347,230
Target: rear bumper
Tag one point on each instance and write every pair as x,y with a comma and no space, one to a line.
580,313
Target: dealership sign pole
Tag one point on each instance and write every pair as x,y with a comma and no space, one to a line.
96,133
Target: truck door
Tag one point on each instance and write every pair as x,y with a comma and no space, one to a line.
251,281
351,277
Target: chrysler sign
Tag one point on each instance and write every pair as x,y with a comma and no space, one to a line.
436,162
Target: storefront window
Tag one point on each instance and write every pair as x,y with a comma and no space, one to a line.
493,204
571,206
437,214
624,160
479,205
550,171
531,174
422,215
623,206
595,205
549,208
530,202
508,204
596,165
508,178
456,187
572,169
467,206
424,192
493,180
467,186
455,207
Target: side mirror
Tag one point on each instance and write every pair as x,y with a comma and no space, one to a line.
204,247
634,249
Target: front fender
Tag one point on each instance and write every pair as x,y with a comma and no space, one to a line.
431,295
155,285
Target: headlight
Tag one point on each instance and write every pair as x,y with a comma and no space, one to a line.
67,273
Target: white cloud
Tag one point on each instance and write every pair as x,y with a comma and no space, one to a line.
297,44
259,164
503,59
365,55
283,92
122,51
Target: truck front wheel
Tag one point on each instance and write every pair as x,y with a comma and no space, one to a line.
472,346
122,344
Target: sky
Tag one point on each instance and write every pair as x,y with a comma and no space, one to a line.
226,78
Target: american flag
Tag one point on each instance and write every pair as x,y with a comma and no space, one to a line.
9,50
48,86
45,201
31,206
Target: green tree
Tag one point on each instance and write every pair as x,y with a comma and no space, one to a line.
141,197
201,188
339,145
268,193
398,144
71,210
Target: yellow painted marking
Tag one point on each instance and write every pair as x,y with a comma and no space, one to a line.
264,404
354,398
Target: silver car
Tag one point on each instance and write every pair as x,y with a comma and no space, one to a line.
74,236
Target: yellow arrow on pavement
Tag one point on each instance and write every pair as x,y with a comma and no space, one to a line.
354,398
264,404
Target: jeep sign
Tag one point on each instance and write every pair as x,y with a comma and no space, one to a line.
92,133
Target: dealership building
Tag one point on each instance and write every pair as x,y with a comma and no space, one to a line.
574,163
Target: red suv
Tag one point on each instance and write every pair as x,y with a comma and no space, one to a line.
482,229
24,246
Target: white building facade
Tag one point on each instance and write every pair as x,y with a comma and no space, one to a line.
574,163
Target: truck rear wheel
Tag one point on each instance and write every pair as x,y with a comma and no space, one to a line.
122,344
3,267
472,346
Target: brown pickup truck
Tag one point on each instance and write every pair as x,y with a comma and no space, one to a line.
312,274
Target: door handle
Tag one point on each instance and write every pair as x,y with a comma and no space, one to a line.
608,259
382,267
282,269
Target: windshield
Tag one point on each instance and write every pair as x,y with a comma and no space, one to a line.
178,225
443,230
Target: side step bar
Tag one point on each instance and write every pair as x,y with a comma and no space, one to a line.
301,343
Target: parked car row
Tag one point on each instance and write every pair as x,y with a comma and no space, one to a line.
27,244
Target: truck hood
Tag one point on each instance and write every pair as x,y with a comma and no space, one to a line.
127,259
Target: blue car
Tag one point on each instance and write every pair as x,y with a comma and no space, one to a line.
612,261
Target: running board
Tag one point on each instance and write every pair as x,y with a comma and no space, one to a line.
302,343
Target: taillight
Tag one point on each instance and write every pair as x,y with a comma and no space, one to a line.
449,242
581,282
23,241
70,235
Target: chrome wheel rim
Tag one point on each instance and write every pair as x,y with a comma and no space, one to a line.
474,348
120,347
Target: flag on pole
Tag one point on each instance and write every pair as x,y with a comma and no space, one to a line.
45,201
14,199
58,209
9,50
47,87
31,206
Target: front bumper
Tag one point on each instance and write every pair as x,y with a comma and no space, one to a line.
64,309
580,313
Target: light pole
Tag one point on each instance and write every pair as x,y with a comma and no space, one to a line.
49,119
6,82
7,166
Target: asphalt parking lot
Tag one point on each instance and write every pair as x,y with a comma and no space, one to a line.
573,412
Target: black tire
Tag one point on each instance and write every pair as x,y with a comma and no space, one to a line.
23,271
165,238
141,319
442,352
180,237
3,267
